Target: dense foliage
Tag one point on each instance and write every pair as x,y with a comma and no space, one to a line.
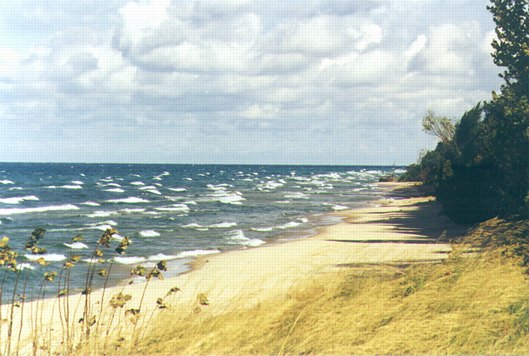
481,168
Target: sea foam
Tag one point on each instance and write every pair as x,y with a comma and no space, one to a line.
129,200
13,211
196,253
18,200
48,257
239,237
149,233
129,260
76,245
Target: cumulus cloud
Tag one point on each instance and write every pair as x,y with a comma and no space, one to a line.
318,81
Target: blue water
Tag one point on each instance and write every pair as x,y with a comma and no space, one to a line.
171,212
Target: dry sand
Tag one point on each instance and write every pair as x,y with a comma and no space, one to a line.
407,228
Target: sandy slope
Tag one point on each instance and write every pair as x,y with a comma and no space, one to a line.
392,231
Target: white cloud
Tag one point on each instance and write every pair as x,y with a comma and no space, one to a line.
322,81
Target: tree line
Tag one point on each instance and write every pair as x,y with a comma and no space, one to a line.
480,167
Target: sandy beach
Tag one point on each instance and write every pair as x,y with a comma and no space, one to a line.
403,229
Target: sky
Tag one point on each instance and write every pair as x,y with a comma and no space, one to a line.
237,81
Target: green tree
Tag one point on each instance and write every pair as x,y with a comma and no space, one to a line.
511,48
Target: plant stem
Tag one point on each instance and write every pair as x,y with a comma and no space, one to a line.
10,328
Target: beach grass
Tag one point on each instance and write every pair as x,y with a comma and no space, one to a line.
469,304
381,282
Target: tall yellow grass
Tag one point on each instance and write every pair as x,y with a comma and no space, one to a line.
478,304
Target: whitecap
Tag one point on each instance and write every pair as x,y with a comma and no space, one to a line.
76,245
195,226
91,203
338,207
234,199
178,189
129,260
216,187
296,195
223,225
23,266
132,211
100,227
153,191
109,222
101,214
91,260
147,187
77,182
239,237
149,233
162,257
69,186
129,200
174,207
12,211
6,181
16,188
18,200
137,183
195,253
289,225
114,190
48,257
117,237
262,229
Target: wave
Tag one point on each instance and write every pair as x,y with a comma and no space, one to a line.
6,181
12,211
153,191
149,233
18,200
69,186
196,253
23,266
223,225
77,182
270,185
289,225
129,260
194,226
178,189
262,229
114,190
239,237
137,183
162,257
101,214
132,211
296,195
174,207
91,203
76,245
338,207
48,257
129,200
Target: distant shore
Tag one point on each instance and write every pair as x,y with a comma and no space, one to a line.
403,228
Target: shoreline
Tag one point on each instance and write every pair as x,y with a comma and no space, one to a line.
368,235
